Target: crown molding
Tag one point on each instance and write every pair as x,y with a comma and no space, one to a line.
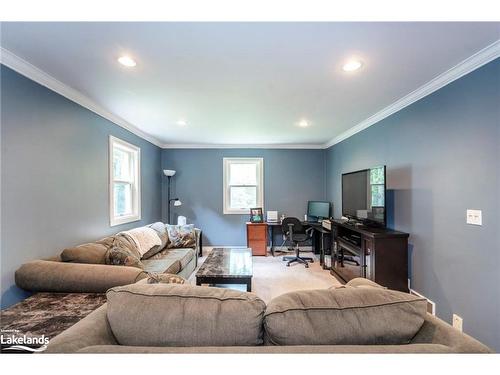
468,65
30,71
250,146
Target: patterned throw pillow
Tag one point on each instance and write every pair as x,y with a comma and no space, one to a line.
160,229
119,256
181,236
165,278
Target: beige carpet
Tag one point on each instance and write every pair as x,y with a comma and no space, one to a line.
271,277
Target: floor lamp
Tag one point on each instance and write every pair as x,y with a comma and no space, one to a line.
170,173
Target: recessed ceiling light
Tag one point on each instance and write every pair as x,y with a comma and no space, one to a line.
303,123
181,123
127,61
352,65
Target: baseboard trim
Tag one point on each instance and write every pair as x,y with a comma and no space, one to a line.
431,306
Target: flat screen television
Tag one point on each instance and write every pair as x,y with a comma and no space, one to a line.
363,196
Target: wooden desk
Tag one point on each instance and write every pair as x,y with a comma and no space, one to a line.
257,238
317,240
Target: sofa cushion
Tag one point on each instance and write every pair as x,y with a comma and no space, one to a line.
184,256
163,278
361,282
181,236
184,315
344,316
163,265
91,253
118,256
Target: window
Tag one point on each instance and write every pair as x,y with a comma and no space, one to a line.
243,184
377,187
124,182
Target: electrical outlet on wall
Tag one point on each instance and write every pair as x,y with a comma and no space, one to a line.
458,322
475,217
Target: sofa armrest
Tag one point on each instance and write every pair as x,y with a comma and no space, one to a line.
436,331
50,276
92,330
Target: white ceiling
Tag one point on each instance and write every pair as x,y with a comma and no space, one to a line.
245,83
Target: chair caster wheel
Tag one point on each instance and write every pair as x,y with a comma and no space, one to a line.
307,265
312,261
287,265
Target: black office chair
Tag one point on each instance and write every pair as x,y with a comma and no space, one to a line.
296,233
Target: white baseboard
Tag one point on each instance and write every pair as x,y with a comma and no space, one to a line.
430,304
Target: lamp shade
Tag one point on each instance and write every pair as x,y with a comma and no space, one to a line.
169,172
177,202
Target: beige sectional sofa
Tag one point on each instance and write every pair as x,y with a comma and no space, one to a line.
87,272
361,317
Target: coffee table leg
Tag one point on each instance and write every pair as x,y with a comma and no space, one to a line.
198,282
249,285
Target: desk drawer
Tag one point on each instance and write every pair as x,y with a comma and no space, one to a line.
259,247
257,238
256,232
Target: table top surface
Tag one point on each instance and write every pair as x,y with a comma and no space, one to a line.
227,263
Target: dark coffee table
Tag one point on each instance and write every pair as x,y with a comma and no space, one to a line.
227,266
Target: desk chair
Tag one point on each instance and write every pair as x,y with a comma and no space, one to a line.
296,233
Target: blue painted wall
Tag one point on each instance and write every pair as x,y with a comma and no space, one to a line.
55,176
443,156
291,178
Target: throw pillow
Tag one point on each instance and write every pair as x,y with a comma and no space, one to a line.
159,227
119,256
90,253
181,236
161,231
165,278
123,241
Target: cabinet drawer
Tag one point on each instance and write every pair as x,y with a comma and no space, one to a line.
259,247
257,232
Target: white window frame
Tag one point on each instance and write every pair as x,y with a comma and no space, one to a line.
226,187
135,183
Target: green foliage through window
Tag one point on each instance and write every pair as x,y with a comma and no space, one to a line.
377,183
377,175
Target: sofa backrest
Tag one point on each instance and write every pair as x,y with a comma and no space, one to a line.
184,315
344,316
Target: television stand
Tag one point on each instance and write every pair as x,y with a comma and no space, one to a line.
375,253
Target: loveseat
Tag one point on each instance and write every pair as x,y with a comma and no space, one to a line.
361,317
83,269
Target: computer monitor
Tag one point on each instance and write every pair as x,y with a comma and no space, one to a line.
317,210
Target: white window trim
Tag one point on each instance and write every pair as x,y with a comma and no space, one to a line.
136,187
260,187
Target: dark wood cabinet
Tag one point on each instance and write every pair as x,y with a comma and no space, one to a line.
378,254
257,238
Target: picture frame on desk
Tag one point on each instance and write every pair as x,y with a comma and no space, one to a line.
256,215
